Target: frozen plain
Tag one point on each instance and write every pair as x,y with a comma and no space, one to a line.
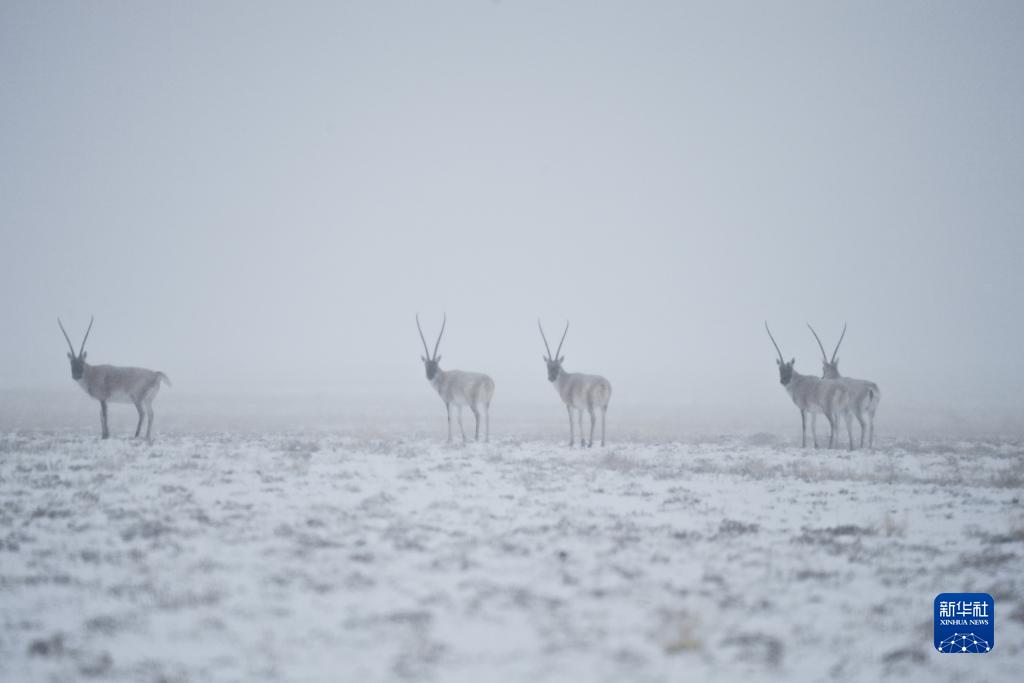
322,556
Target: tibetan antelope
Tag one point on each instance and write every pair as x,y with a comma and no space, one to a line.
578,391
458,388
864,395
112,384
813,395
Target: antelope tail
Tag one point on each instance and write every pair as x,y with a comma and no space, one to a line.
164,379
874,397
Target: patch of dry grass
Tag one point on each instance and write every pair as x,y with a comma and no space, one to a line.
679,633
893,527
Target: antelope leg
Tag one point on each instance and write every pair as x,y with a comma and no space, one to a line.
149,422
138,427
572,434
604,412
448,410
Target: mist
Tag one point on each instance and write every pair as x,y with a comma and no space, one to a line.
257,200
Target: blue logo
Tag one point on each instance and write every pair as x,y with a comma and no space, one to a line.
964,623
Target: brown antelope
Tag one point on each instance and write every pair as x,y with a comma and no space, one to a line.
864,395
458,388
113,384
578,392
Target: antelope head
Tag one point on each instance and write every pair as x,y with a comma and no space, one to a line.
77,359
431,360
829,366
785,369
554,362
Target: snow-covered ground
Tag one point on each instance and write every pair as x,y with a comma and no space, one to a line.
319,556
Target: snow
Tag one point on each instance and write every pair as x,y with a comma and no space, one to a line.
321,556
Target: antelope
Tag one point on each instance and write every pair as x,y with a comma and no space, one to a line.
112,384
864,395
458,388
813,395
578,391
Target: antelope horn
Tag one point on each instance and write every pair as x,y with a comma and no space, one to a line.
443,323
422,338
773,342
546,347
838,343
66,337
563,339
824,356
91,318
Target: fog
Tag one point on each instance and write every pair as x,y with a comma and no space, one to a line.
258,198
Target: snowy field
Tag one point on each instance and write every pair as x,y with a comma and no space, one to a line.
324,556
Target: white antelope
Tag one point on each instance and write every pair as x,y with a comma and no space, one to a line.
112,384
578,391
458,388
813,395
864,395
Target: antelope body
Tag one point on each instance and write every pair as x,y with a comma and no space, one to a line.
814,396
864,395
578,391
458,388
113,384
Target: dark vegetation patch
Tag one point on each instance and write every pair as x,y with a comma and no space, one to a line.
904,655
984,560
811,535
813,574
47,647
755,647
732,527
1015,535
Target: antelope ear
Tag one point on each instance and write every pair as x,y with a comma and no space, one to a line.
438,359
561,358
423,358
545,359
70,357
792,361
778,362
835,363
84,354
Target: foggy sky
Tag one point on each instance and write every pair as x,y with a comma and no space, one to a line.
258,197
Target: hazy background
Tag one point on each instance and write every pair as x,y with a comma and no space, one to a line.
256,198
